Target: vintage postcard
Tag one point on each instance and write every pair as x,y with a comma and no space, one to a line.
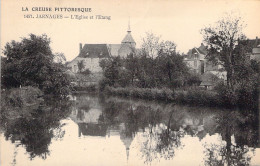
132,82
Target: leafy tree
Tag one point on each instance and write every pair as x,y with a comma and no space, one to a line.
31,62
171,68
221,41
131,64
112,69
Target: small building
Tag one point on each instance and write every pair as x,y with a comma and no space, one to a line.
255,54
210,79
198,62
91,54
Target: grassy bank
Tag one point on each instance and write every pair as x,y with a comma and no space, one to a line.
190,97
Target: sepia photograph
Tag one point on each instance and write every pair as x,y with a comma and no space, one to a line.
130,83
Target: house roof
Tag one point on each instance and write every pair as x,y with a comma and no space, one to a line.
254,42
75,59
113,49
94,51
202,49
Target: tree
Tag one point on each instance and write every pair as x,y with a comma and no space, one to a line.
221,41
112,70
131,64
167,47
31,63
59,58
151,44
171,69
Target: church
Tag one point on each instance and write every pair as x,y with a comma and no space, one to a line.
92,54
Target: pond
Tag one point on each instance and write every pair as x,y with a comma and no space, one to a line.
95,130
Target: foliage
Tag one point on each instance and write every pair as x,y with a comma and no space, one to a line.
89,88
229,47
114,73
31,63
221,41
193,79
171,69
144,93
59,58
157,66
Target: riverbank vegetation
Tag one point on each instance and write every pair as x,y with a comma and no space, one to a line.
31,74
193,97
158,71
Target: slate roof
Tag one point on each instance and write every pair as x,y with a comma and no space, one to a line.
202,49
254,42
128,38
113,49
94,51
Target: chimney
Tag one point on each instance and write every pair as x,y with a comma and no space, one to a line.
80,47
256,41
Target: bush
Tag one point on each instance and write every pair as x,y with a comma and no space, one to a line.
202,98
190,97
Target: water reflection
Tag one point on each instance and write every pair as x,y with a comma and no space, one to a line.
241,137
150,132
163,126
35,129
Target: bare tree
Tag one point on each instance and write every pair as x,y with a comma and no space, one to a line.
151,44
167,47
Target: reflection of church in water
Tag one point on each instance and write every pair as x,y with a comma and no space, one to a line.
90,123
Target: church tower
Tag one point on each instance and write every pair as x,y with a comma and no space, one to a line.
128,39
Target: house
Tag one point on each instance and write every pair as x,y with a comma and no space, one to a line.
255,54
91,54
196,60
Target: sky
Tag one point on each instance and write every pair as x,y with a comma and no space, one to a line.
174,20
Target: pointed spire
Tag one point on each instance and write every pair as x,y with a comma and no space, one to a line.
129,29
127,154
